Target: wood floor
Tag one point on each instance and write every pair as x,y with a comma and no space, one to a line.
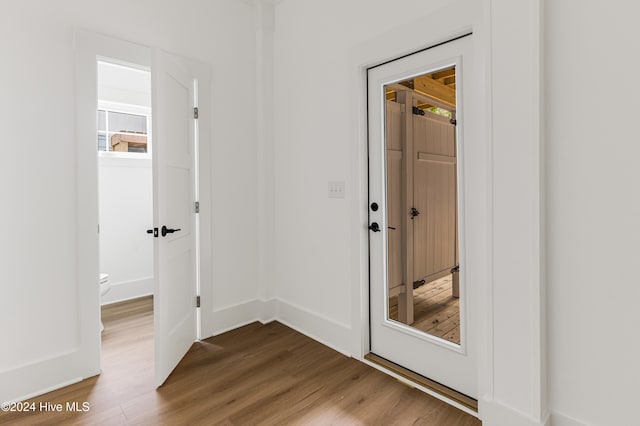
436,311
256,375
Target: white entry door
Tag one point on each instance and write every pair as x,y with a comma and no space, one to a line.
174,136
433,90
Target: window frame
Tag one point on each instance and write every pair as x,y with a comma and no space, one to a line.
110,106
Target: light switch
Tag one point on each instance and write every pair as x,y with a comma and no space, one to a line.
336,189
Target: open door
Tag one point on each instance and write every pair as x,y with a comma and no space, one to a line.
424,224
174,133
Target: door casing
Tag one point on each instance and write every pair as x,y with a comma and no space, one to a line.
89,48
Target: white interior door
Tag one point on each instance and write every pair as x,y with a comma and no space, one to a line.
174,136
451,364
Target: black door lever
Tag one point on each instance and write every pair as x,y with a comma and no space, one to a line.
164,231
374,227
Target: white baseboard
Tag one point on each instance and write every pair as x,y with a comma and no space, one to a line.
494,413
316,326
128,290
235,316
47,375
558,419
268,311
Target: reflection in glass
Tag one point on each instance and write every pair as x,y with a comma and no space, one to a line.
422,213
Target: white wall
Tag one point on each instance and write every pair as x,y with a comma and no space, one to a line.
126,212
316,127
37,168
314,122
593,206
125,85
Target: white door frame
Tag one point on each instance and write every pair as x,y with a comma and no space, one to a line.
502,399
89,48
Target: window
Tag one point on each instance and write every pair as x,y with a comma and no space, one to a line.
122,130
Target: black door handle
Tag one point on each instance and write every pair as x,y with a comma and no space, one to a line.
374,227
164,231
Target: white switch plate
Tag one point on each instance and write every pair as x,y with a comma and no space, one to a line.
336,189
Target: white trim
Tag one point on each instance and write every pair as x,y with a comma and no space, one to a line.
47,390
516,358
124,108
485,318
234,316
268,311
426,337
128,290
320,328
496,413
558,419
41,360
316,326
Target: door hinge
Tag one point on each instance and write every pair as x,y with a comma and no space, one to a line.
197,203
197,301
195,113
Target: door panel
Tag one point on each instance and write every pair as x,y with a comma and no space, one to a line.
434,197
420,171
174,196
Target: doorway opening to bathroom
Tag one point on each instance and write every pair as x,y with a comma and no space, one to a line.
165,130
125,199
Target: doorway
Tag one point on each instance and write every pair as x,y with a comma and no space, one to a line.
125,195
173,157
125,181
423,307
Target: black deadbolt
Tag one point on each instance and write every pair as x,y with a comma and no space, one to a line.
374,207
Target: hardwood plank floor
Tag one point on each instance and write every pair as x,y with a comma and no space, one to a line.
255,375
435,311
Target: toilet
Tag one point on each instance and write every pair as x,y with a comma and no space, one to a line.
105,286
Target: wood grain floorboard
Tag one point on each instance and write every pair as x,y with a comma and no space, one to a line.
436,311
255,375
